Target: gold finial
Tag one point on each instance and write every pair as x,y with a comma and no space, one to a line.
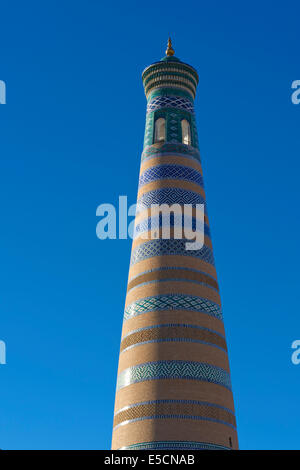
170,51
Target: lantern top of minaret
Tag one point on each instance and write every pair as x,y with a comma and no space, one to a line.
170,72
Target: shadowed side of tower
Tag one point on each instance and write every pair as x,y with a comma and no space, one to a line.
173,386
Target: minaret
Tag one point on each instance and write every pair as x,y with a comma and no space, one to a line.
173,386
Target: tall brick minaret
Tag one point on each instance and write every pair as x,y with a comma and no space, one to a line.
173,386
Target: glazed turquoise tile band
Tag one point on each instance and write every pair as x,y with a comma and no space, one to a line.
170,149
174,445
173,302
189,370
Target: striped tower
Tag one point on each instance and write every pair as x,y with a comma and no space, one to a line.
173,386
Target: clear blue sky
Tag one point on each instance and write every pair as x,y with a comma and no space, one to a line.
71,135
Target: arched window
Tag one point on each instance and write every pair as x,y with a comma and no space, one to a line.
160,130
186,132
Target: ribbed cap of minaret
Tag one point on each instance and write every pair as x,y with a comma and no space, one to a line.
170,72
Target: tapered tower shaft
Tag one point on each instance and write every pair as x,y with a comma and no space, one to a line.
173,386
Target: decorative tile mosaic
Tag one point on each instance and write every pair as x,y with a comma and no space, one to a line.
173,302
175,116
169,92
169,196
189,370
162,247
174,445
174,126
170,102
160,172
156,222
149,130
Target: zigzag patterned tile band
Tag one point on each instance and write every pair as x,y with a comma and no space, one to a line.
170,102
156,222
175,172
174,445
174,370
161,247
169,196
173,302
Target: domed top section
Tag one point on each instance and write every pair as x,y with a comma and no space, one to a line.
170,59
170,72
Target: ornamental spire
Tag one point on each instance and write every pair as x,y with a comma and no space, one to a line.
170,51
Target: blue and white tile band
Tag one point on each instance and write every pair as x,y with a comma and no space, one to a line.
178,102
188,370
177,220
162,247
173,302
169,196
177,172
